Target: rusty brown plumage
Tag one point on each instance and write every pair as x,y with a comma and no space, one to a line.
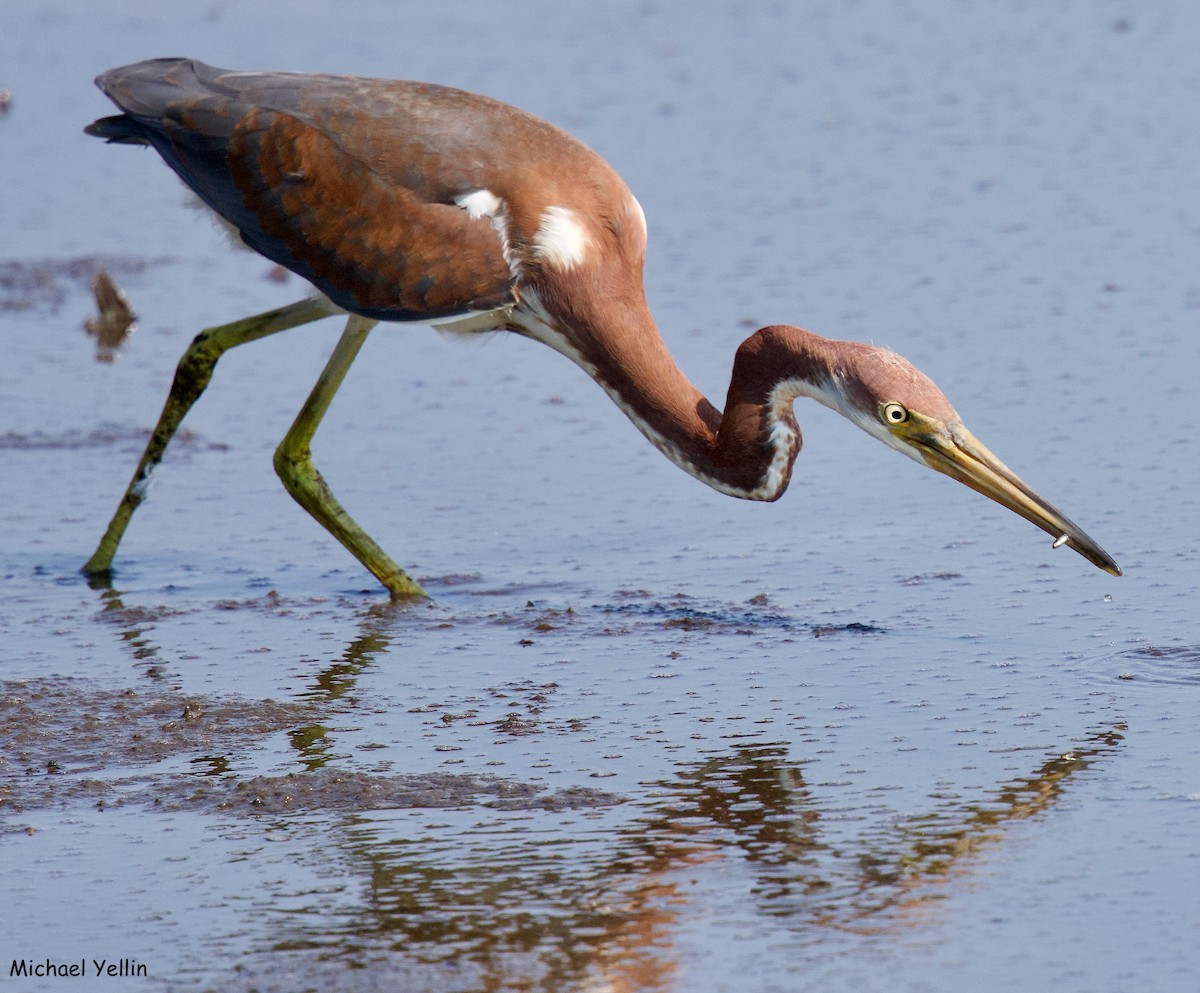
355,233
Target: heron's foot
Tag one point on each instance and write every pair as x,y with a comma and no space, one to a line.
302,480
97,578
99,566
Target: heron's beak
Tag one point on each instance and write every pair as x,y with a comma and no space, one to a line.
953,450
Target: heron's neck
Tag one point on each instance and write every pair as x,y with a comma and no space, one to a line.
747,450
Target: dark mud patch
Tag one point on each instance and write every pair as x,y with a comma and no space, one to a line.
65,742
926,578
680,613
67,724
627,614
526,701
672,620
639,611
324,790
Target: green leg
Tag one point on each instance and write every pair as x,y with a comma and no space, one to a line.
191,377
293,462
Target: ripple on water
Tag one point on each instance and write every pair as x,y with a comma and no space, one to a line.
1157,665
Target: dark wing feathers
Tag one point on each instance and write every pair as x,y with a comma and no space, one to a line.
288,160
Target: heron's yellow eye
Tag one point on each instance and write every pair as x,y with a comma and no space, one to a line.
894,413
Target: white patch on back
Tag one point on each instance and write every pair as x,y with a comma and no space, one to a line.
479,203
485,204
560,240
634,209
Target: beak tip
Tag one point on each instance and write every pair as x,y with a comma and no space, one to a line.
1090,551
1103,560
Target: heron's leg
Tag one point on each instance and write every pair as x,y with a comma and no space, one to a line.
192,375
293,462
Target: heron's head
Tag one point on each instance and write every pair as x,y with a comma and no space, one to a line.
888,397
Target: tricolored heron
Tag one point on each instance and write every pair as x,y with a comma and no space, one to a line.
405,201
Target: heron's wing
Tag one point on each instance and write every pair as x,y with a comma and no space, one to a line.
280,156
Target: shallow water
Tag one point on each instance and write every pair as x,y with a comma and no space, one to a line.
876,736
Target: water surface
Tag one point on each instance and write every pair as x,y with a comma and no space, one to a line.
875,736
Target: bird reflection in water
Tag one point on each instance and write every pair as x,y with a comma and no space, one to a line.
538,916
519,890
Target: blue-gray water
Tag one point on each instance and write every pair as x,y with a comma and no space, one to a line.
875,736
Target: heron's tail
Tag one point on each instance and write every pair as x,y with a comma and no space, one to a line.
120,129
